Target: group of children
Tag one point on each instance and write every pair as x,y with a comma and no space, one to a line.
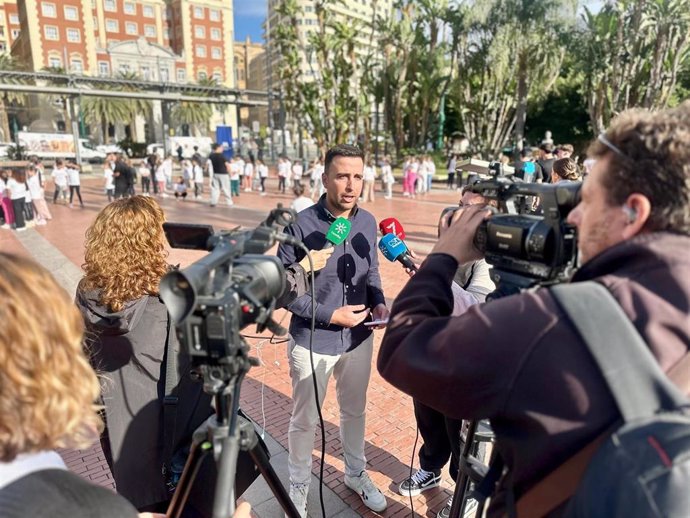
22,202
418,174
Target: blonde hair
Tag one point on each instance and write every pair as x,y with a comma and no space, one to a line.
125,254
49,390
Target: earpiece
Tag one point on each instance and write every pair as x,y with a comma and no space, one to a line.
631,213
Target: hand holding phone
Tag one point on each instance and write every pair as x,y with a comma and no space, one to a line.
374,323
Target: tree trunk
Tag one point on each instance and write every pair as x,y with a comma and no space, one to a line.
4,121
521,111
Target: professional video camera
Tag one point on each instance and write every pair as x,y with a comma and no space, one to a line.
210,301
527,248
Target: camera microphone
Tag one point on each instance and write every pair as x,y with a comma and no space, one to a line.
393,249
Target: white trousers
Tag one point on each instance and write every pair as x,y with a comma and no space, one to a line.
221,182
351,372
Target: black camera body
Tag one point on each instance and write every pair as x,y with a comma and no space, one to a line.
232,287
528,241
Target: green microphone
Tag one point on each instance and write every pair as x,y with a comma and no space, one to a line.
338,232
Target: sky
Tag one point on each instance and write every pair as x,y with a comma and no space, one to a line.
249,15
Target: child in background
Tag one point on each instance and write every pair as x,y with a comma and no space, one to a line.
180,188
262,170
59,176
6,201
109,182
198,179
16,191
39,202
74,183
387,178
145,175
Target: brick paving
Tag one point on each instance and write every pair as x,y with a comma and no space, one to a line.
265,394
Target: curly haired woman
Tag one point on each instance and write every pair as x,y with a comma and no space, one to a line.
47,400
128,328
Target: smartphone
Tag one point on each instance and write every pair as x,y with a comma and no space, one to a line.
376,323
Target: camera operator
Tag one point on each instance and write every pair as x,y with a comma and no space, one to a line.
441,434
519,360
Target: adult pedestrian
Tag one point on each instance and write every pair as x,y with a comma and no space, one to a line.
221,180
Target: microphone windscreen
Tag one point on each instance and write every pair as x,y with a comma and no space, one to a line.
392,226
338,231
391,247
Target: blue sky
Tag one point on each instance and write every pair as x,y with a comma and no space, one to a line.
249,15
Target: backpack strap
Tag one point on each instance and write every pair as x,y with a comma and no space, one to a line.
619,351
170,400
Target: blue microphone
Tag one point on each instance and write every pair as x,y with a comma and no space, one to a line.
393,249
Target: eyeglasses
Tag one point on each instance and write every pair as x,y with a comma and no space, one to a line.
602,138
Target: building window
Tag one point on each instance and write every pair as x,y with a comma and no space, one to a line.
103,68
218,77
77,66
166,33
215,34
110,5
111,26
130,8
214,15
51,32
54,62
201,51
165,74
199,13
123,69
71,13
15,33
14,19
73,35
199,31
216,53
48,10
150,31
131,28
3,47
202,75
148,11
181,75
146,72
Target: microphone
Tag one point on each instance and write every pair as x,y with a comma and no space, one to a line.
338,232
393,249
392,226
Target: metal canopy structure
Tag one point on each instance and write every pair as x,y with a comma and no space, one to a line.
71,84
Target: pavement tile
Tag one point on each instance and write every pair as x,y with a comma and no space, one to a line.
265,394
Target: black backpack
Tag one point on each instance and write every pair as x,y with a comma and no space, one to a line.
641,468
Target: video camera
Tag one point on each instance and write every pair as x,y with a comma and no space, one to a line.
524,246
232,287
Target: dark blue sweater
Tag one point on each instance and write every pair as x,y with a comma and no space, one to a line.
350,277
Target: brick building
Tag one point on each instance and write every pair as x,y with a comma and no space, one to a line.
248,75
159,40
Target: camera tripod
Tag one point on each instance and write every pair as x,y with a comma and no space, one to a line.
225,434
471,469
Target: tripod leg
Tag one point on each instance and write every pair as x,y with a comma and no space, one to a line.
196,458
462,484
250,443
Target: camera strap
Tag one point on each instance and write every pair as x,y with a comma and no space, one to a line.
612,339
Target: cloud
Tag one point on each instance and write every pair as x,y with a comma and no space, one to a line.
251,8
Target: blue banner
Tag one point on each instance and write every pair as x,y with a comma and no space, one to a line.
224,137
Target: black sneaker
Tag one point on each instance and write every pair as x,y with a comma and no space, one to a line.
419,482
470,508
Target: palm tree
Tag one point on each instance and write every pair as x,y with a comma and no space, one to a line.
104,110
196,114
136,106
9,63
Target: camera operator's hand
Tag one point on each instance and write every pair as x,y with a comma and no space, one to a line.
318,257
457,235
349,316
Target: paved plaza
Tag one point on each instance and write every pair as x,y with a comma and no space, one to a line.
390,432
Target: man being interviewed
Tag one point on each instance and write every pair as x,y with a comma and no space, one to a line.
347,290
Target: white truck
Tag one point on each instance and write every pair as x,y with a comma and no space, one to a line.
58,145
202,143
